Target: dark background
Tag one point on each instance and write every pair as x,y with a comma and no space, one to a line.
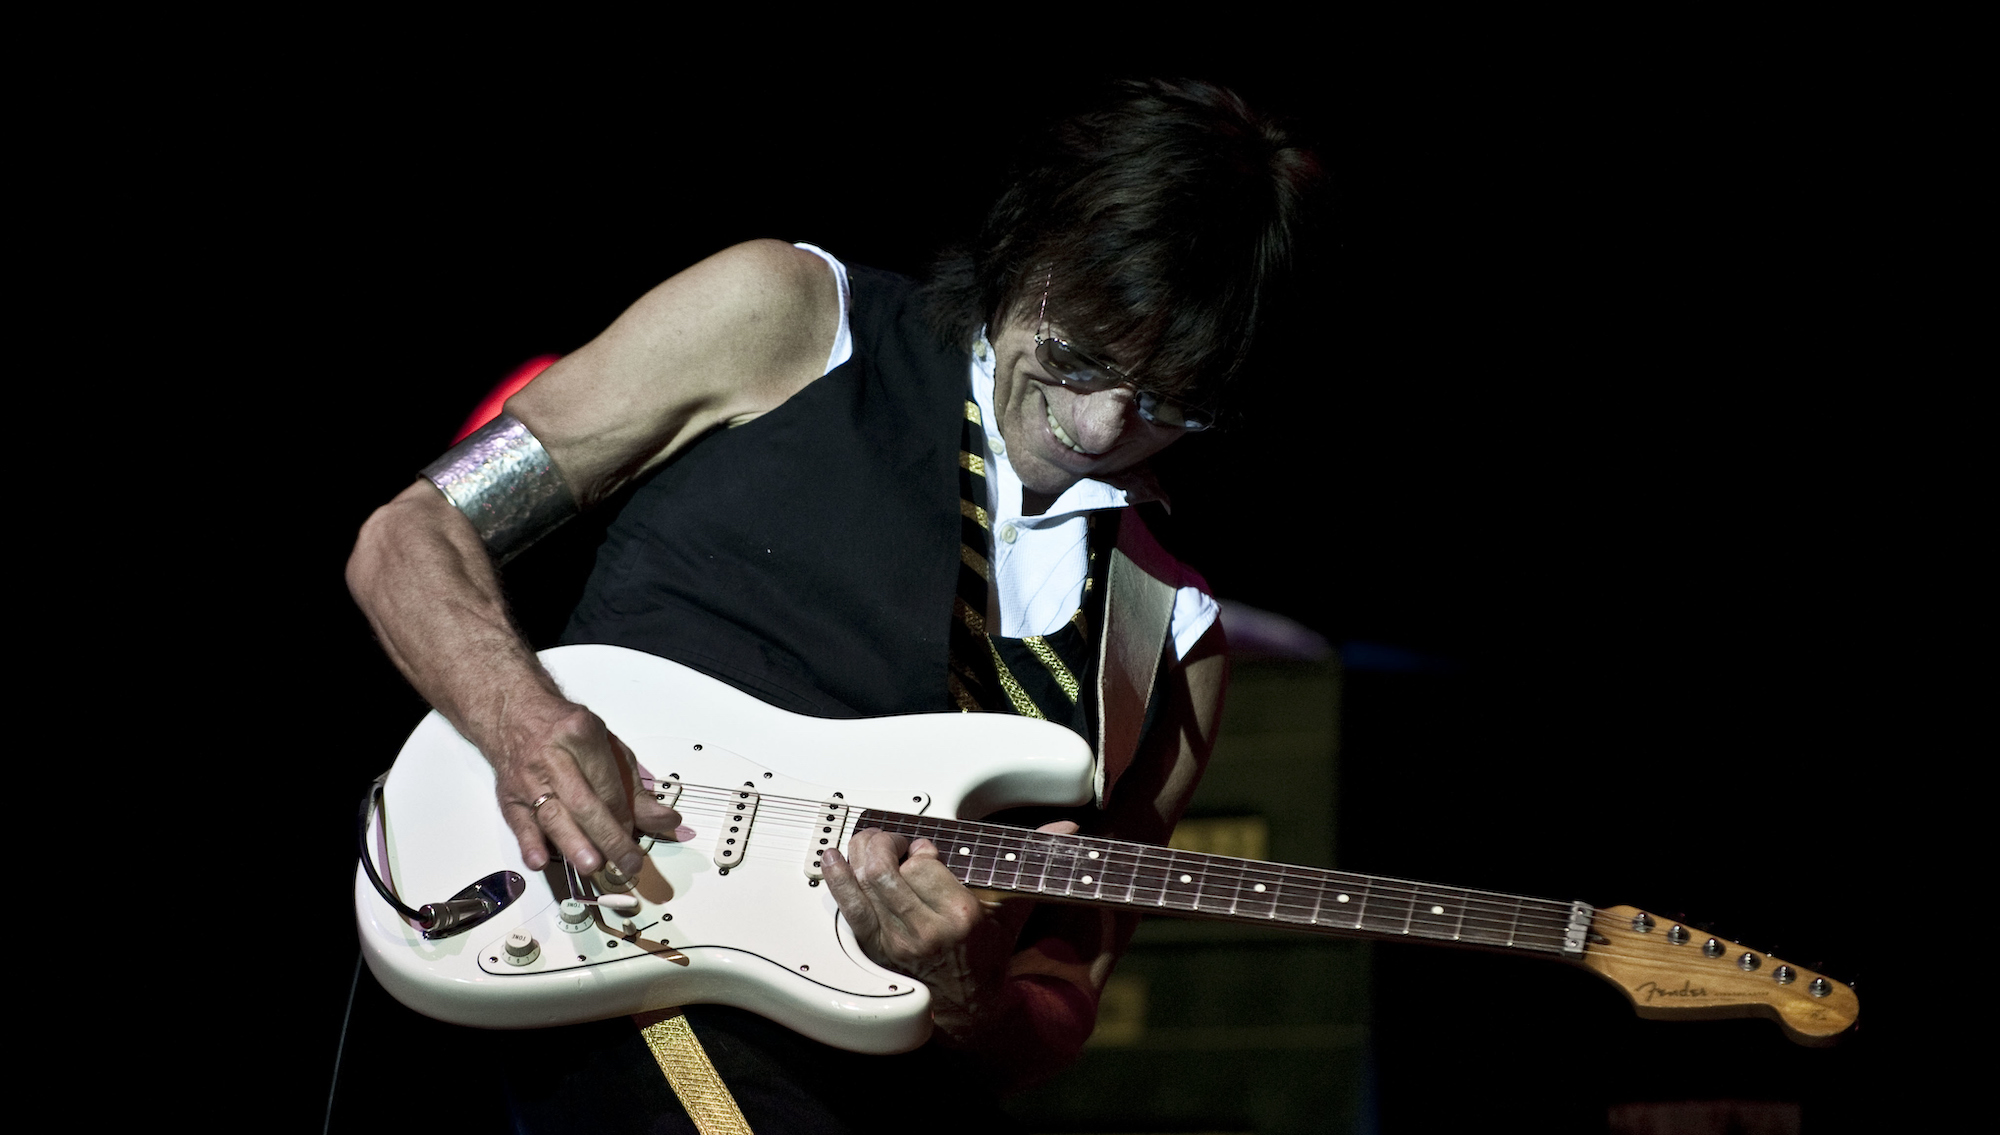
1576,415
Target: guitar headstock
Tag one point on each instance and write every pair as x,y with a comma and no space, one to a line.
1670,970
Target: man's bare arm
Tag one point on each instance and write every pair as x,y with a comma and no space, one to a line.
718,344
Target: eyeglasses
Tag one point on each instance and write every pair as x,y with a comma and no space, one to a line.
1074,370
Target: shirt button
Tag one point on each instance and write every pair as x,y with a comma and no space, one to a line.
996,444
1007,533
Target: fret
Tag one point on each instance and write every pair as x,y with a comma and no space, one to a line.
1541,929
1219,880
1148,870
1385,908
1257,889
1059,869
1010,870
1436,913
1342,899
1094,877
1489,920
971,856
1032,855
1181,882
1360,904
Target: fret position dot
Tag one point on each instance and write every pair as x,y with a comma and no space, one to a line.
1009,857
1093,855
1340,898
1086,880
1437,910
1187,878
1260,888
965,851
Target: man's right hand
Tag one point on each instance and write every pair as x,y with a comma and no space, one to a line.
592,790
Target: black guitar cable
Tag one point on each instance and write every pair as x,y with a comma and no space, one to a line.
436,919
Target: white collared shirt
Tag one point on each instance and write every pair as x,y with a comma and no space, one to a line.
1039,562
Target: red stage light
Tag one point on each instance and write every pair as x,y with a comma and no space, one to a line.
489,407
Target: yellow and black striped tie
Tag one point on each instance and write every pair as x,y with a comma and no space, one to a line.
1038,676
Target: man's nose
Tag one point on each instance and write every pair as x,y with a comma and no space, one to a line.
1102,417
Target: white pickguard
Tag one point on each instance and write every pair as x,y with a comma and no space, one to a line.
760,936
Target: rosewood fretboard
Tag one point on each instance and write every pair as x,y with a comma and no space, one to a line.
1086,869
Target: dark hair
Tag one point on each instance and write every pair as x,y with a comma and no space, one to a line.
1158,222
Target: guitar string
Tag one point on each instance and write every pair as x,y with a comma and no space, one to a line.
1148,855
1549,942
1547,939
1291,888
773,808
773,805
1228,879
1477,906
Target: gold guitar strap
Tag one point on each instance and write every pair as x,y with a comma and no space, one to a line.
691,1073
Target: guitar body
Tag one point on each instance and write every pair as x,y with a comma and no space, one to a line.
744,923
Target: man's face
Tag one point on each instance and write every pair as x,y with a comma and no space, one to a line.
1056,436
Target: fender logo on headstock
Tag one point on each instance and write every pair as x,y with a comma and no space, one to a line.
1651,990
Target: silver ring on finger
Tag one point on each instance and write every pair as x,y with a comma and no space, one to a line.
544,798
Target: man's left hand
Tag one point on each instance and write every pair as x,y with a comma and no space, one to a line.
913,916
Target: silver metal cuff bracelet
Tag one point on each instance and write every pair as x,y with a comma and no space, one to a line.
502,479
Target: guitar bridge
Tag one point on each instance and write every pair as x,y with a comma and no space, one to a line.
832,825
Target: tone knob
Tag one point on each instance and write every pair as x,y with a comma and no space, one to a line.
575,917
522,948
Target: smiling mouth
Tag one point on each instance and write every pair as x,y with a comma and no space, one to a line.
1062,435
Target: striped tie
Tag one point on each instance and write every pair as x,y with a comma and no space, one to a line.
1039,676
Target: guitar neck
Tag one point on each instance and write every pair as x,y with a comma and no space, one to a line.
1160,880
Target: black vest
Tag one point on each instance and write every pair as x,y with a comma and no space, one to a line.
809,556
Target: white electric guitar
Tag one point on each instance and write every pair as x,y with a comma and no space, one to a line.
737,915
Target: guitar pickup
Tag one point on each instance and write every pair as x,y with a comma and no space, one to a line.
829,828
668,792
735,834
